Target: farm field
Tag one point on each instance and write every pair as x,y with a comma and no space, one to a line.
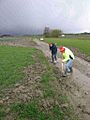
30,88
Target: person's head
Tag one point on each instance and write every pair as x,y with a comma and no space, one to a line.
62,49
50,44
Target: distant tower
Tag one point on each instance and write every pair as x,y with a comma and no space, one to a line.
46,31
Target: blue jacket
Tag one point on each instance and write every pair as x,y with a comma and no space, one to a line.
53,49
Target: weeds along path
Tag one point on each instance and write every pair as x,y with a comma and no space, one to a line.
77,85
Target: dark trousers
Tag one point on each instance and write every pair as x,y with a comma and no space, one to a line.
54,58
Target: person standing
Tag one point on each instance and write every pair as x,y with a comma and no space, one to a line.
68,58
53,49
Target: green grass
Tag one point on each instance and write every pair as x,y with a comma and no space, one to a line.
2,111
29,111
12,61
82,44
32,111
48,89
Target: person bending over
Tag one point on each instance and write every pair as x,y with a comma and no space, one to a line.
68,58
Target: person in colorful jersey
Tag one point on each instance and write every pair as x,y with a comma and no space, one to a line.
68,58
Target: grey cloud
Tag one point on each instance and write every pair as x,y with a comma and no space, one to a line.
31,16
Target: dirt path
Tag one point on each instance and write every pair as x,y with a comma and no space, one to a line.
78,85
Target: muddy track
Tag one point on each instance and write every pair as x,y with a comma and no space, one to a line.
77,85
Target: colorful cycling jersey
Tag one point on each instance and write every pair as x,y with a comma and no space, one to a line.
67,55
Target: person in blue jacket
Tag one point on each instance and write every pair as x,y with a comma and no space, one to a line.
53,49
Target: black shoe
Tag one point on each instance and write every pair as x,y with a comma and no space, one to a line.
71,70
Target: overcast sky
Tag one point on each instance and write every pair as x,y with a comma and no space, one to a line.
31,16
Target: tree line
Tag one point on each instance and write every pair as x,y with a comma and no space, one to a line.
52,32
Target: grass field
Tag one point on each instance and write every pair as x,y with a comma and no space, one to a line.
13,60
82,44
